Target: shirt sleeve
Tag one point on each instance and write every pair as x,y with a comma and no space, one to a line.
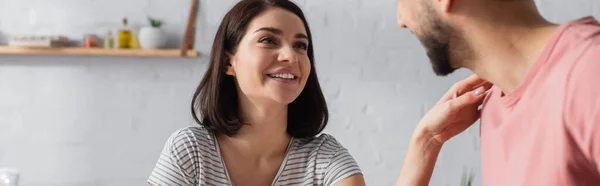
178,163
582,106
341,167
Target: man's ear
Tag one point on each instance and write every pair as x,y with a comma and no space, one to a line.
445,5
229,70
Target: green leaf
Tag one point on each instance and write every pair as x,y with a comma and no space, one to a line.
467,178
155,22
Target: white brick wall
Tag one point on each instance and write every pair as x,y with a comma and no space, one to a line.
74,121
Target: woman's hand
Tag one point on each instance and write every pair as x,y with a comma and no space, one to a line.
456,110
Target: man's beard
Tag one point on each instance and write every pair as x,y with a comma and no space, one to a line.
438,53
436,41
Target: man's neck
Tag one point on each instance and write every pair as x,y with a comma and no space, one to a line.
506,42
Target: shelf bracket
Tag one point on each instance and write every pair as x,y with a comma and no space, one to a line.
190,31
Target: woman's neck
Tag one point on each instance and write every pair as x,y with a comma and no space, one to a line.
264,131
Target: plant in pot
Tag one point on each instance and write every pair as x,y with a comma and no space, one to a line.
152,37
467,178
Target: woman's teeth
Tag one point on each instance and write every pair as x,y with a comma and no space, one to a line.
282,76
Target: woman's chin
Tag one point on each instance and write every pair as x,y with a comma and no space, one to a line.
282,95
283,99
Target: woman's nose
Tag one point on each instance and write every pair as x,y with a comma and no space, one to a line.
287,54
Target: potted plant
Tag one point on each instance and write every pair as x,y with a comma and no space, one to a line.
467,178
152,37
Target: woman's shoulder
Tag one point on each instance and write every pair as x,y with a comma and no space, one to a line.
332,160
192,131
181,158
190,136
323,143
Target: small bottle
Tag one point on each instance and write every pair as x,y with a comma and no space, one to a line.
124,36
134,42
109,41
90,41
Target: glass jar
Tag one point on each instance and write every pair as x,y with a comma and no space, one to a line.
90,41
9,177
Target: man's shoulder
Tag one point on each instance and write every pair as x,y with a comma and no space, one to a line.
583,29
580,58
583,82
576,40
585,71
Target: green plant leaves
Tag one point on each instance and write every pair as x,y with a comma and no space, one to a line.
467,178
155,22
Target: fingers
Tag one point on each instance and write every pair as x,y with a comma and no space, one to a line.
474,97
480,101
464,86
485,85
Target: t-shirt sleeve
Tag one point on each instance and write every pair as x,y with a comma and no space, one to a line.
582,105
341,166
178,162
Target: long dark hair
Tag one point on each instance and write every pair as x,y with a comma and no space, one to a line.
216,97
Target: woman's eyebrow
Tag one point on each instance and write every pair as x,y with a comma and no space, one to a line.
279,32
269,29
301,36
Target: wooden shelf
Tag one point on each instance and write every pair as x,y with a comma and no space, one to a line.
6,50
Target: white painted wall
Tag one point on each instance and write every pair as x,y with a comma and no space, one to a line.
73,121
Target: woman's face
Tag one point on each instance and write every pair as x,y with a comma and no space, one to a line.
271,61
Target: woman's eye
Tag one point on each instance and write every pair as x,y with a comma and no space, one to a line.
267,40
302,46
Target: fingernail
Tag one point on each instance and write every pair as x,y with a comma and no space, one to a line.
479,91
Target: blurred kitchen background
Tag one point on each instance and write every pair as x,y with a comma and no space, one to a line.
102,120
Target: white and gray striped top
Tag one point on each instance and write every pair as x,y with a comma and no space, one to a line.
192,157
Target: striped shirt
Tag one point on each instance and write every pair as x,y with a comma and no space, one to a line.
192,157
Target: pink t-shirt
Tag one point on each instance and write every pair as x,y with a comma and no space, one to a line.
547,131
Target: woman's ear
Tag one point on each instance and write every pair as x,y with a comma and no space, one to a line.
229,70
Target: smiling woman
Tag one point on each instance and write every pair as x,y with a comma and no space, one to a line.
260,109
